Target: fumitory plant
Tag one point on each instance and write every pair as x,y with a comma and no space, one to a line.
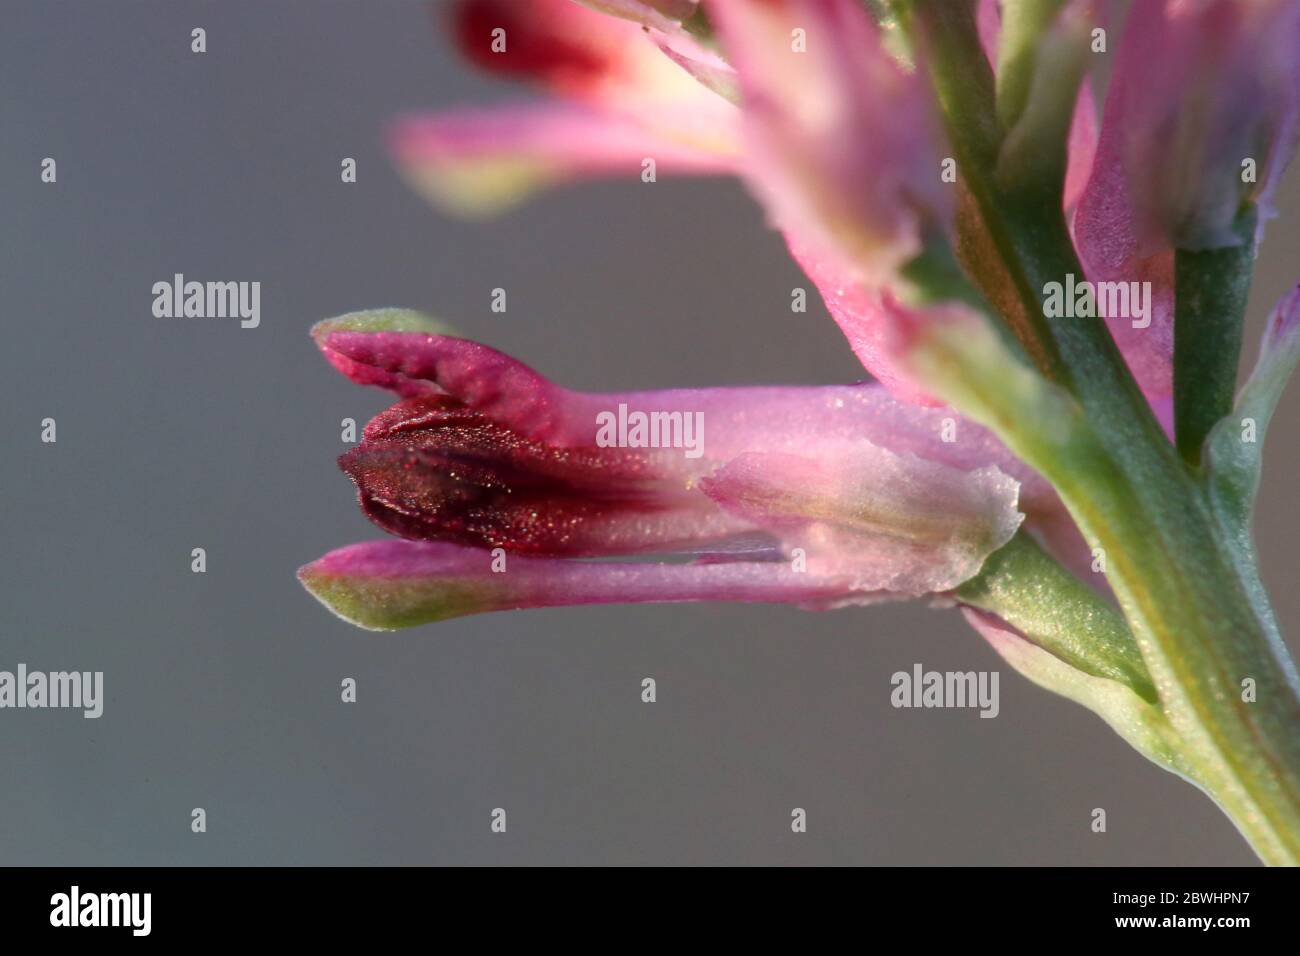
1063,283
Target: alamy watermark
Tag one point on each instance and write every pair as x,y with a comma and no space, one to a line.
75,908
75,690
637,429
922,688
179,299
1088,300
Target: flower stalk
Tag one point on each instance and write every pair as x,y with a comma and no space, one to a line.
1211,290
1176,577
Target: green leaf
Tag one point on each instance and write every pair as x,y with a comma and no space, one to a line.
1234,449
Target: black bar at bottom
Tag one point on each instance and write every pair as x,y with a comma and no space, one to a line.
366,904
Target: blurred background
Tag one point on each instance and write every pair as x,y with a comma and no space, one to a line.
223,689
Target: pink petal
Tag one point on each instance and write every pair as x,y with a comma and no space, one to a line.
1108,247
841,142
480,161
890,522
860,311
385,585
1082,146
1200,85
503,389
556,43
607,63
988,20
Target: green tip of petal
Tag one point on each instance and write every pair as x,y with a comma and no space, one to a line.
389,604
483,189
382,320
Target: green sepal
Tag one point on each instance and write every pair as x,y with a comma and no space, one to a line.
382,320
1029,590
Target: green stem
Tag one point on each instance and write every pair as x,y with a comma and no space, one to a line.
1177,581
1211,287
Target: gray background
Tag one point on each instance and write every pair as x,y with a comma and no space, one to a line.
223,688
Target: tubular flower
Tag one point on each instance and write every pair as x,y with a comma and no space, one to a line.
823,101
1050,300
819,496
616,101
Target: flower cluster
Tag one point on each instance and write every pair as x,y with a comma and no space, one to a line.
935,168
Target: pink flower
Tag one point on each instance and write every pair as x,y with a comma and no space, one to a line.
1207,96
840,141
820,496
1200,87
618,102
938,171
836,137
604,124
